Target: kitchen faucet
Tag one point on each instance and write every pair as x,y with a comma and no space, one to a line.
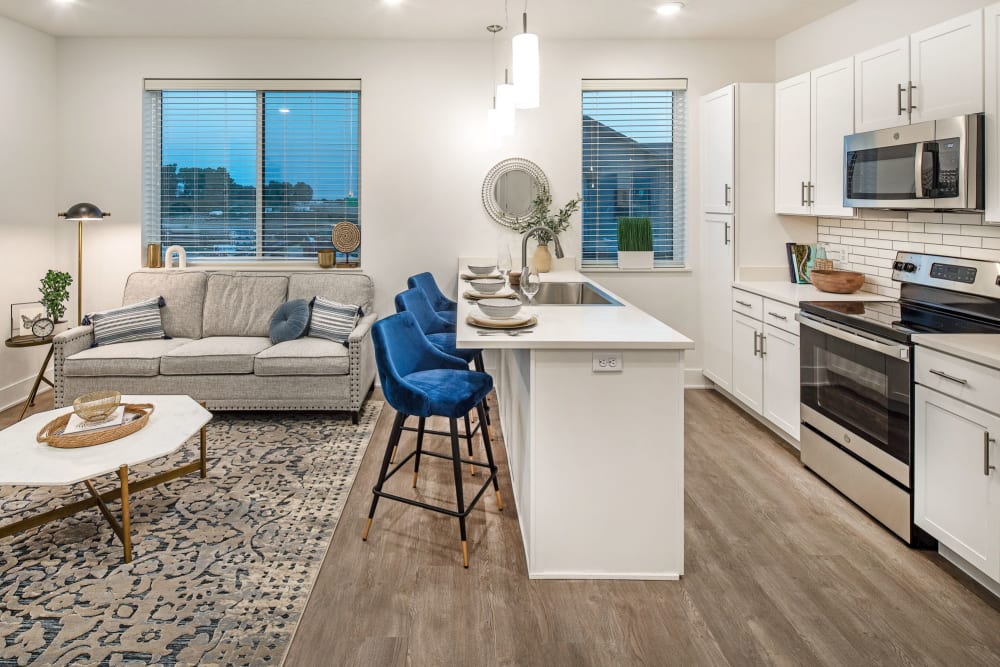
532,231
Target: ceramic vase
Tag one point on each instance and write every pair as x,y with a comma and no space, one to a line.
542,259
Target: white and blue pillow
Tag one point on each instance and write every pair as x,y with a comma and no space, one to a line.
139,321
333,321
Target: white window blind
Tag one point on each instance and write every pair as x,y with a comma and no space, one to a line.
250,170
634,137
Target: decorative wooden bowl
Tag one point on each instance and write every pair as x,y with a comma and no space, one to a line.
837,282
96,405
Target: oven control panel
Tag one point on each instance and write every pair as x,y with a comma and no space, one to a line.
958,274
954,273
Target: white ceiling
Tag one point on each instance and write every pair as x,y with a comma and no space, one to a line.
414,19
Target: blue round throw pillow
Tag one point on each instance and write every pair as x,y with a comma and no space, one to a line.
289,321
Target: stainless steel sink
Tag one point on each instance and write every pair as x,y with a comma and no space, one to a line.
571,294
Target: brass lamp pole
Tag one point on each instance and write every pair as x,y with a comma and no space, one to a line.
81,213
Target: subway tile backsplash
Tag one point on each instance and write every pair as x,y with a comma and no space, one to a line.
869,244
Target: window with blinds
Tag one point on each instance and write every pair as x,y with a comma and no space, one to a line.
633,166
252,171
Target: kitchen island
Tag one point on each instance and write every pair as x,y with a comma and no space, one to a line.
596,457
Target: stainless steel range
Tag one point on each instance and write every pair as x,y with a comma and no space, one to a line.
857,378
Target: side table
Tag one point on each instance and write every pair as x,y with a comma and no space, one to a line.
32,341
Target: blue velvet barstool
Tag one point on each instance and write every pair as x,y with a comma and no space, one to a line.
441,304
420,380
441,334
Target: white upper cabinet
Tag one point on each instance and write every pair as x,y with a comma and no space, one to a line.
946,68
934,73
718,114
791,146
832,119
813,113
992,104
881,77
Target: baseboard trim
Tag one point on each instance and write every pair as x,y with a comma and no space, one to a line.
695,379
16,393
631,576
966,567
766,423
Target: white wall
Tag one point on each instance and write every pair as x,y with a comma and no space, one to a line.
27,166
423,155
860,26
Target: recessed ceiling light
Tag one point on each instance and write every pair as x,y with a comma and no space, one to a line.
670,9
393,2
64,2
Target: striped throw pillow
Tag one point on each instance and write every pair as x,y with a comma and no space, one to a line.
331,320
139,321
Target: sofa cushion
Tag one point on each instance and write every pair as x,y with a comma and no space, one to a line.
333,321
290,321
135,359
183,291
303,356
217,355
353,288
242,305
137,321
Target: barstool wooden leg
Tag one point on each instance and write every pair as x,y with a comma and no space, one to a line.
397,429
468,436
420,448
489,457
456,460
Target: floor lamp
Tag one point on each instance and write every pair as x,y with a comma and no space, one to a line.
81,213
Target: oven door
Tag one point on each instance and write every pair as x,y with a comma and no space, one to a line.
855,389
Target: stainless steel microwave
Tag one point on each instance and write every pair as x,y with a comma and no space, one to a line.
938,164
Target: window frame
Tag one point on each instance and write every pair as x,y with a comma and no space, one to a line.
680,179
151,226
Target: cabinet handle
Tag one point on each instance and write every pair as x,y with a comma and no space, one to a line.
899,99
986,453
744,304
763,350
812,188
778,317
756,349
909,96
802,193
728,188
727,233
952,378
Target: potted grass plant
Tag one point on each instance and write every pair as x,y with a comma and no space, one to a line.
635,243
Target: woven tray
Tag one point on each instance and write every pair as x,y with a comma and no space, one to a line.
98,437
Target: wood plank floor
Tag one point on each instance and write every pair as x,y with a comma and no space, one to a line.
780,569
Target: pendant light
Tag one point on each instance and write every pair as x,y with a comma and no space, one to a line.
505,105
526,66
496,120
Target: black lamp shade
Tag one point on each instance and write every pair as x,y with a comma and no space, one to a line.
83,211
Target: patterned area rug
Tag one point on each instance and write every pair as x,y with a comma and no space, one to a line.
222,567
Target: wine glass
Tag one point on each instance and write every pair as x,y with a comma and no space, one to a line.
504,262
530,283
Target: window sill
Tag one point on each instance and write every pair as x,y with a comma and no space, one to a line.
615,269
268,266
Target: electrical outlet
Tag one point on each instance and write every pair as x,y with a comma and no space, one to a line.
608,362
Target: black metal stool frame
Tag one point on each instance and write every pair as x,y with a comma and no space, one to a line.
461,511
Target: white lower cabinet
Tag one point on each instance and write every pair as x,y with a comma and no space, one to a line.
956,485
781,379
748,364
766,360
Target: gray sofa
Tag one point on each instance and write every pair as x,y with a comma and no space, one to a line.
219,351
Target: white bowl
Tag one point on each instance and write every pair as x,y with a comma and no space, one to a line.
499,309
487,285
482,270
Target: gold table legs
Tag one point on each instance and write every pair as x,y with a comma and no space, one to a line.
99,500
39,379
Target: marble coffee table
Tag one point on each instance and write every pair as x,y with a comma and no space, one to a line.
26,462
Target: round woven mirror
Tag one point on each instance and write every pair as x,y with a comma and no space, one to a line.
510,188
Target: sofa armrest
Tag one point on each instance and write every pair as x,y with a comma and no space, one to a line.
362,328
65,345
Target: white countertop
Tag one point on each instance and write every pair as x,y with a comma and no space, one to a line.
576,327
792,294
979,348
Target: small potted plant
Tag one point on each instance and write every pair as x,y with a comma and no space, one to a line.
55,293
635,243
556,223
